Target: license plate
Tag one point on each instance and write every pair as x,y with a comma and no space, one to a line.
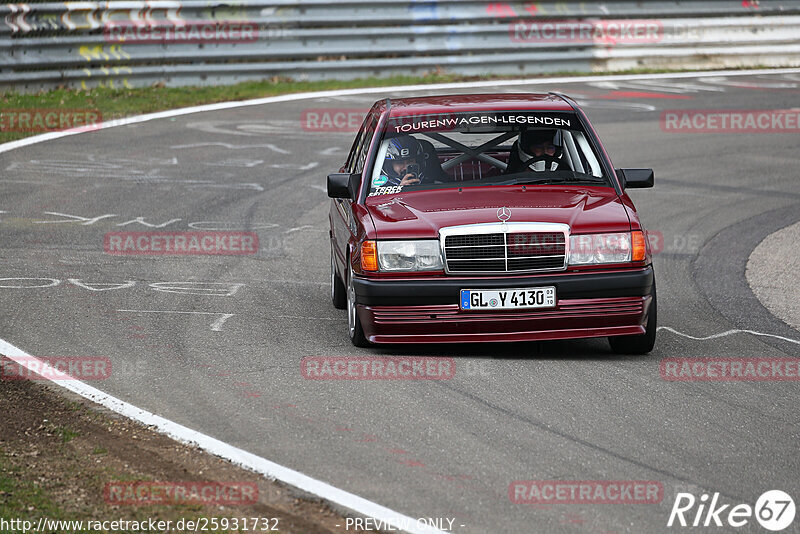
508,299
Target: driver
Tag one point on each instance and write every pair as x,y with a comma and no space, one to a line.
402,163
535,150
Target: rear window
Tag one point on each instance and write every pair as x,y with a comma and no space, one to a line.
483,149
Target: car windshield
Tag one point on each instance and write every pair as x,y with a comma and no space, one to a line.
483,149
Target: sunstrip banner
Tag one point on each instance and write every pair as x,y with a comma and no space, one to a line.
438,123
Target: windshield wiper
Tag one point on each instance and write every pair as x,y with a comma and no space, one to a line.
533,180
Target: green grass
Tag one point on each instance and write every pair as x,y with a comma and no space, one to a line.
66,434
22,499
18,499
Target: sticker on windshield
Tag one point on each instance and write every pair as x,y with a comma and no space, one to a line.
392,189
380,180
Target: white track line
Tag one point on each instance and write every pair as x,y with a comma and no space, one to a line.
728,333
214,446
239,456
5,147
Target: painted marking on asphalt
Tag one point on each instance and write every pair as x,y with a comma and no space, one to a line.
680,88
750,84
141,221
235,226
219,448
230,226
250,185
610,104
728,333
298,228
213,289
5,147
293,166
234,147
123,170
96,286
75,218
642,94
51,282
241,162
195,288
216,326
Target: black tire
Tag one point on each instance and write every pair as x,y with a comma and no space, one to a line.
353,322
338,291
641,344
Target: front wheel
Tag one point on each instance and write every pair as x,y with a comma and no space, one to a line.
641,344
353,322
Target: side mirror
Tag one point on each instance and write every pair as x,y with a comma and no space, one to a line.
343,185
636,178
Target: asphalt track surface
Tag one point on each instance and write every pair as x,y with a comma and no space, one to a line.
567,410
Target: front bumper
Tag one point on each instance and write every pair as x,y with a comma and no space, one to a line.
427,311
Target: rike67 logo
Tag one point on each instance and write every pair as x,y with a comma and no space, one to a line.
774,510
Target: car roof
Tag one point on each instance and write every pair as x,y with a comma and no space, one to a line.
475,102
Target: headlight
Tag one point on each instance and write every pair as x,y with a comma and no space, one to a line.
599,248
409,255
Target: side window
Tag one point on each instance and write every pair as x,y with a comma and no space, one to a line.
351,157
363,149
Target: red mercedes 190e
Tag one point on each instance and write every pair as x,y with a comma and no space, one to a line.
466,218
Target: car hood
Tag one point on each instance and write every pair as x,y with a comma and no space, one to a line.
420,214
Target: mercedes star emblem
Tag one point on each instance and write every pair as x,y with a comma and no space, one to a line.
504,213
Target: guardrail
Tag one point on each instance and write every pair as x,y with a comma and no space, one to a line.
192,42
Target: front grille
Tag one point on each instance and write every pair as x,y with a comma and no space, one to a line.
512,249
476,240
